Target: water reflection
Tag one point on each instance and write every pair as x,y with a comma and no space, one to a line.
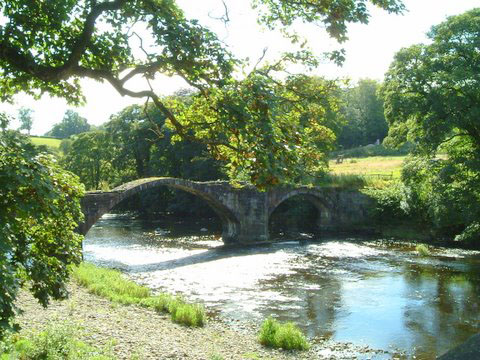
374,292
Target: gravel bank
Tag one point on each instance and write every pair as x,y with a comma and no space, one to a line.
138,333
142,333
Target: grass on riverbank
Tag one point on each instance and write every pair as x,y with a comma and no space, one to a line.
112,285
286,336
57,341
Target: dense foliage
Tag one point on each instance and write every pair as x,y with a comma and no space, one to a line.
71,124
288,123
134,144
40,210
365,120
250,123
432,98
89,157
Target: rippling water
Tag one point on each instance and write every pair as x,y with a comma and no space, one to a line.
366,292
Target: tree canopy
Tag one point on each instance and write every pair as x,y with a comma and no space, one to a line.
365,120
40,210
432,92
129,147
432,98
71,124
68,40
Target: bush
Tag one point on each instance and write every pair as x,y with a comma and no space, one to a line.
286,336
57,341
470,235
390,203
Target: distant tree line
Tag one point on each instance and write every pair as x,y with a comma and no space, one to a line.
364,115
71,124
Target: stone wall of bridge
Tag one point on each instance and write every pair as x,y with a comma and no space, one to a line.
340,210
244,211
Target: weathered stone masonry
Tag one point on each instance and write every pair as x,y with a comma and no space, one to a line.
244,211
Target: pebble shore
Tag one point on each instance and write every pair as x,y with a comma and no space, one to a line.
133,332
139,333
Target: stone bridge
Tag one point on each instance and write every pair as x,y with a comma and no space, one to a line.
244,211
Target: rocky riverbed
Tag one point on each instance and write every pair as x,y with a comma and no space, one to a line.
137,333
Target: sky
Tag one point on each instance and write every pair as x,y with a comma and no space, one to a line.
370,50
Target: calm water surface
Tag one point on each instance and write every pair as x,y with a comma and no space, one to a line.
365,292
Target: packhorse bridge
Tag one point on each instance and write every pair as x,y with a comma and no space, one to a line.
244,211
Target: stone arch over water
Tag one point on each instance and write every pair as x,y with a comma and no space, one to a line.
243,210
96,204
322,201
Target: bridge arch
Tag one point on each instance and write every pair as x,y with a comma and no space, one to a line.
323,202
96,204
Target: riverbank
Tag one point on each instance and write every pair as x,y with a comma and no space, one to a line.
133,332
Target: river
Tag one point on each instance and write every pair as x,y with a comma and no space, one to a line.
371,293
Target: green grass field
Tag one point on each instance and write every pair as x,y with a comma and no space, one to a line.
369,166
53,143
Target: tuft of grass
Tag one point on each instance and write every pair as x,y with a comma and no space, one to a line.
113,286
57,341
422,250
180,311
188,314
286,336
160,303
109,284
251,356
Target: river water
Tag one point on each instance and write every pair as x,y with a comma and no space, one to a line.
368,292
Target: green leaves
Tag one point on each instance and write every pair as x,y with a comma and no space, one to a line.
71,124
432,91
432,97
267,131
89,155
38,214
334,15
